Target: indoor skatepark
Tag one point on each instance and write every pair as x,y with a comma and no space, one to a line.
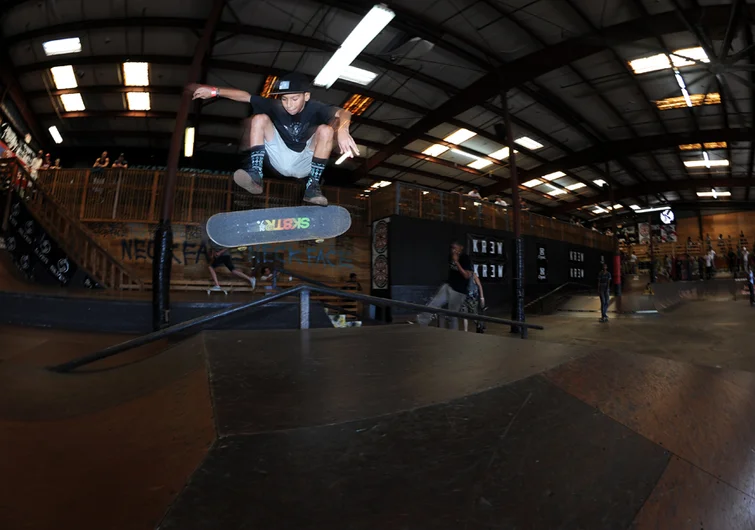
555,152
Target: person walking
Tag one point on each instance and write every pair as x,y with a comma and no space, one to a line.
604,286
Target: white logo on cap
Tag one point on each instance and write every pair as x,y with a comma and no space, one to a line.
284,85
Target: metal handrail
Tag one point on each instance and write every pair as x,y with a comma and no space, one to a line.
302,290
549,293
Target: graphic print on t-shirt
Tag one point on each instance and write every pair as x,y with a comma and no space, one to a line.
294,130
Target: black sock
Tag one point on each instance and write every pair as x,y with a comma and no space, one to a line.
318,166
256,158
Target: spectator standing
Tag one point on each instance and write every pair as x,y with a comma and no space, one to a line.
102,162
709,260
36,164
745,259
474,303
604,286
120,162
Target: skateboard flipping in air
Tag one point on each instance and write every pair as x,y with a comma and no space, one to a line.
297,134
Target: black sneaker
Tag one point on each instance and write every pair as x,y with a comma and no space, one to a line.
314,195
249,179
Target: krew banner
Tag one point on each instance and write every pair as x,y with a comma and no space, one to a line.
576,265
37,255
542,264
488,255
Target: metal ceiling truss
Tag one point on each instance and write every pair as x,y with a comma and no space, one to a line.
515,73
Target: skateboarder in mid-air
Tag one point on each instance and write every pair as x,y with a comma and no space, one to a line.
295,132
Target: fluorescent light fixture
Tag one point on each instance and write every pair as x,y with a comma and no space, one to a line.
342,158
688,56
555,192
713,193
358,75
55,134
600,183
136,74
634,207
651,63
598,209
689,100
425,192
661,61
553,176
381,184
618,206
532,183
460,136
64,77
657,209
577,186
435,150
706,163
501,154
462,153
480,163
706,145
368,28
189,142
62,46
72,102
138,101
529,143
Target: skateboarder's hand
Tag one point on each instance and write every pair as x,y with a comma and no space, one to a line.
202,92
347,143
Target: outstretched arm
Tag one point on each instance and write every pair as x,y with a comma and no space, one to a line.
209,92
345,142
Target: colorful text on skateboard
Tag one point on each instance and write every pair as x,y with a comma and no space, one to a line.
290,223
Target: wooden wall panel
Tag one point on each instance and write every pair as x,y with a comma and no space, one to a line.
330,262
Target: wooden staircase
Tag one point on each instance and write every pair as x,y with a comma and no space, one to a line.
68,232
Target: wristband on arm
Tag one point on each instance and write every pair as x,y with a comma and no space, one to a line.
214,91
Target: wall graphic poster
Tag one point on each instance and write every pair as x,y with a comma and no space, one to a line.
380,278
542,264
576,265
668,233
488,255
37,255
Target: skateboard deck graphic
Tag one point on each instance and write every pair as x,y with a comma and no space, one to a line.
277,225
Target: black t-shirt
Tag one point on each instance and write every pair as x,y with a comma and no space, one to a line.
295,130
455,279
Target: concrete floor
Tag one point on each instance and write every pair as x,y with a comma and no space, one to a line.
717,334
113,448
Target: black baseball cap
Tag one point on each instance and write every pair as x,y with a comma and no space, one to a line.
292,83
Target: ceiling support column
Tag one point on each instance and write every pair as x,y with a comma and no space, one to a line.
163,246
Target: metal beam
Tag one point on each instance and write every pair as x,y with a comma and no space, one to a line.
544,60
611,150
164,231
629,192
